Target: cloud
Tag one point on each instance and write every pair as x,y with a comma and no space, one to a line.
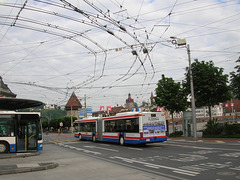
54,49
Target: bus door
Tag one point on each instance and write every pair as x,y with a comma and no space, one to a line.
27,133
99,129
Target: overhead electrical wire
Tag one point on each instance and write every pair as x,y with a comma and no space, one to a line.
115,27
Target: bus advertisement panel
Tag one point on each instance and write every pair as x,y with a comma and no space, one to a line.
154,125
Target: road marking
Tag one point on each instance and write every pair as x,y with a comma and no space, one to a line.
59,141
138,149
189,158
79,149
184,173
96,147
156,166
193,147
234,154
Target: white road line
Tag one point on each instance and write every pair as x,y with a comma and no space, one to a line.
184,173
95,147
79,149
190,173
138,149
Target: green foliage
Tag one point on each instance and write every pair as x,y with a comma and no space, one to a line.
53,113
170,95
227,130
235,81
176,134
212,128
210,84
55,123
231,129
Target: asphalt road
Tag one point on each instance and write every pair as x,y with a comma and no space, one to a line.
174,159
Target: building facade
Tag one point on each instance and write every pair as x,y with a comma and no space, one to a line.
73,106
129,103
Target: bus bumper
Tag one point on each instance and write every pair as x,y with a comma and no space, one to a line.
12,148
153,139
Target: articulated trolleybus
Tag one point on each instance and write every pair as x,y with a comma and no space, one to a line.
124,128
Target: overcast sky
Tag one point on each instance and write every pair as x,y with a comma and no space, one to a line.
105,49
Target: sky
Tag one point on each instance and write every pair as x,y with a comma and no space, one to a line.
105,49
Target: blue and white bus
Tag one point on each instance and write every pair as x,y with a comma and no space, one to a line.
20,132
124,128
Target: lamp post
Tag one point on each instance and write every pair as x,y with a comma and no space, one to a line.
182,42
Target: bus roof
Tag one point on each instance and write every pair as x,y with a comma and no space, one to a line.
15,103
87,119
14,112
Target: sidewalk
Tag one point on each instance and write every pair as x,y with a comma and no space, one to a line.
21,168
237,140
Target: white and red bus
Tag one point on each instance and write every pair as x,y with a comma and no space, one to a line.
124,128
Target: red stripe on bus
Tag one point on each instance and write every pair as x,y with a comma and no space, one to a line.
86,135
112,137
135,138
87,120
120,117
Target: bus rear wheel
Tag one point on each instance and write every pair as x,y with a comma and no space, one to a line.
4,147
80,137
121,141
94,138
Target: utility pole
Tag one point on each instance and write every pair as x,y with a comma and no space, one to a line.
192,94
182,42
85,105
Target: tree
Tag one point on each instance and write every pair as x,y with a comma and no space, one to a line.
144,103
235,81
210,84
171,96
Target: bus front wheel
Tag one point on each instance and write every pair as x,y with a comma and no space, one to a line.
121,141
4,147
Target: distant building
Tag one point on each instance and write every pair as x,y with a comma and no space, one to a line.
232,107
202,112
73,106
129,102
117,109
5,91
49,106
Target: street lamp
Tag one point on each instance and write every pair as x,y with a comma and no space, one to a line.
182,42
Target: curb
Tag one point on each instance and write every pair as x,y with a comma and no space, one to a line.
42,166
18,155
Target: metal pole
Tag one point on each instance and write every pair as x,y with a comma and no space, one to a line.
192,94
85,104
71,120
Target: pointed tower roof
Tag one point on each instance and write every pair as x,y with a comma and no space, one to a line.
5,91
129,99
73,102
